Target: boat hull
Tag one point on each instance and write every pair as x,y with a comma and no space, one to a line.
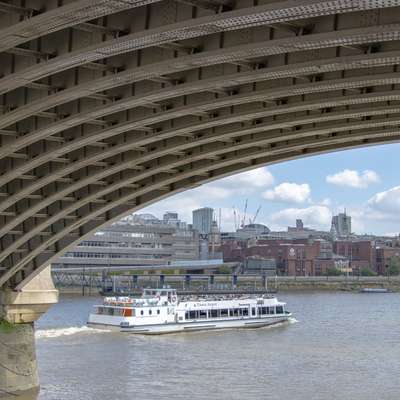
195,326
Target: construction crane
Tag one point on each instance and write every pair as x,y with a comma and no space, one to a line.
256,214
244,214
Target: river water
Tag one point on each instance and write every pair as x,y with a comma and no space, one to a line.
340,346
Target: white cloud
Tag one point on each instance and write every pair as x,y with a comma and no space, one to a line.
314,216
289,193
256,178
387,202
381,213
353,178
326,202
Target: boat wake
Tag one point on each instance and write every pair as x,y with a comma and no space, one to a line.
289,321
57,332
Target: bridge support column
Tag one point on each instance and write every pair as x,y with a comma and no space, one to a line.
18,311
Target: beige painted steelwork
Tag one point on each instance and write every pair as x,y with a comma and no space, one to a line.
108,106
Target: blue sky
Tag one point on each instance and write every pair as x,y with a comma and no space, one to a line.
365,181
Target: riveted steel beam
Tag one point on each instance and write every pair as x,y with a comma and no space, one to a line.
235,53
172,180
170,97
367,100
250,141
203,108
71,14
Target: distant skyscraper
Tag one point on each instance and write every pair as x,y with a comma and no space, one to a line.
299,225
202,220
341,224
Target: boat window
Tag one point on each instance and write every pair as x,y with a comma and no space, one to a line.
141,312
224,312
150,312
271,310
236,312
253,311
231,313
110,311
245,312
214,313
279,310
187,315
203,314
192,314
158,311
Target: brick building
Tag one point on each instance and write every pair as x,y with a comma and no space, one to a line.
294,257
361,254
383,256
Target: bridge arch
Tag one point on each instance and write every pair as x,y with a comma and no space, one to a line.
107,107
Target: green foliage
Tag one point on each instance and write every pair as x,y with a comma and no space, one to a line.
6,327
167,272
333,271
366,271
394,266
223,269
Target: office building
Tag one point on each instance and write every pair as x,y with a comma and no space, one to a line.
202,220
141,240
341,225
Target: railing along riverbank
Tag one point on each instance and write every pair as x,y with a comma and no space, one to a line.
91,282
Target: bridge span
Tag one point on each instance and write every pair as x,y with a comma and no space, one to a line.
107,106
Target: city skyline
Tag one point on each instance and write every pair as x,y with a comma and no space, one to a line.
363,182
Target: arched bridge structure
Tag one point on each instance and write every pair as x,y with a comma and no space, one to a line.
109,105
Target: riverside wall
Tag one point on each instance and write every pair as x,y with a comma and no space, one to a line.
337,283
248,282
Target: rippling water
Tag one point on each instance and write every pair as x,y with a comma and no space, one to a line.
344,346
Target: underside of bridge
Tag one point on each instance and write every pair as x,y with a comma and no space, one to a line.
109,105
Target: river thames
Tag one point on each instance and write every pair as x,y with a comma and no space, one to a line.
339,346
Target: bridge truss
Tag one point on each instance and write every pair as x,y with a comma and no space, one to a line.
107,106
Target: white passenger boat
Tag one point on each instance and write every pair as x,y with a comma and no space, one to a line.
161,311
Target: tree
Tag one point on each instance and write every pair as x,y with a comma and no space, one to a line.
224,269
394,266
333,271
367,271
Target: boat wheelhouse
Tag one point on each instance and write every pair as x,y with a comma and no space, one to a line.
160,311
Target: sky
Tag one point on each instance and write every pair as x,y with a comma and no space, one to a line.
365,182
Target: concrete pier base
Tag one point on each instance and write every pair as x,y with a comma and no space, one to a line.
18,369
18,311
